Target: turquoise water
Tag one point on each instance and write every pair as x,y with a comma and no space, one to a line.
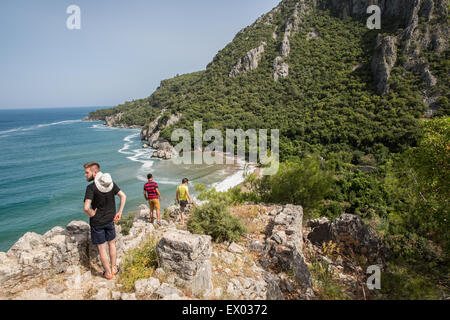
42,181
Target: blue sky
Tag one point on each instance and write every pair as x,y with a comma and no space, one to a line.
122,52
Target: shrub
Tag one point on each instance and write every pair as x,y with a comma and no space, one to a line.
126,223
402,283
215,219
139,263
230,197
302,182
420,184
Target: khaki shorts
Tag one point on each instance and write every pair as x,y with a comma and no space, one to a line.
154,204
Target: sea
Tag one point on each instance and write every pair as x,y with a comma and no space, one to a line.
42,182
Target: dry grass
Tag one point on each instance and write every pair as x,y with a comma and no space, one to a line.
89,294
249,215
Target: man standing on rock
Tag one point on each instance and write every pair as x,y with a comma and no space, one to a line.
100,206
183,196
151,194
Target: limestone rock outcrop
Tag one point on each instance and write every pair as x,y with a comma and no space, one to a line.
111,121
351,233
174,212
280,67
165,150
383,61
188,256
151,134
249,62
284,242
35,254
146,287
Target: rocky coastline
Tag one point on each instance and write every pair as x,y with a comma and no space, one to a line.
150,134
112,121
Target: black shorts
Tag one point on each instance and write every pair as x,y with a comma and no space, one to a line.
104,233
183,204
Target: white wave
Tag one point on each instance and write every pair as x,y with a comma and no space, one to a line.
141,176
137,158
102,127
143,156
98,126
166,181
128,142
43,125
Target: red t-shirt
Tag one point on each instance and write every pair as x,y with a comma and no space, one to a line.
150,187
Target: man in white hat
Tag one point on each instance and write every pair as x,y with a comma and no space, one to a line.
100,206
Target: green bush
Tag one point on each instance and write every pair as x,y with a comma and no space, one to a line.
232,196
414,249
126,223
139,263
303,182
419,183
401,283
215,219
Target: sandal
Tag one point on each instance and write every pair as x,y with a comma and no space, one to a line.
104,275
117,271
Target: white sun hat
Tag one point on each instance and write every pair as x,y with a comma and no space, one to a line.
103,182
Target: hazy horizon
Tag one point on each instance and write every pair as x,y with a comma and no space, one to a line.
53,107
121,53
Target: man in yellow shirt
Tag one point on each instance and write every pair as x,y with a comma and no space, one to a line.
183,196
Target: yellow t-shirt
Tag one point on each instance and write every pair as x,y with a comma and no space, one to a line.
182,192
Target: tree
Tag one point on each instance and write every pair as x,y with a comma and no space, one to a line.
302,182
422,185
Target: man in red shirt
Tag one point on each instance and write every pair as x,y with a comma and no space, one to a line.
151,194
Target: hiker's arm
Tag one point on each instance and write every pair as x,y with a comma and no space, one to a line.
159,194
178,201
188,196
145,195
123,200
87,208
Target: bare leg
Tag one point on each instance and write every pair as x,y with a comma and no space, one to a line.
113,255
104,259
182,217
151,211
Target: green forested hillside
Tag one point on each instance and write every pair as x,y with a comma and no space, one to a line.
326,104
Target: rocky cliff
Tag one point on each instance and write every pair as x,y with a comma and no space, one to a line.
272,261
413,40
152,132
